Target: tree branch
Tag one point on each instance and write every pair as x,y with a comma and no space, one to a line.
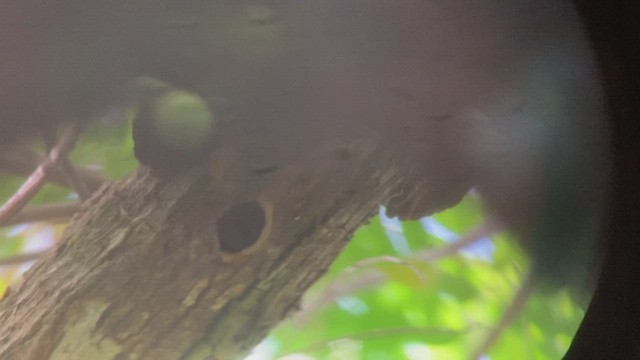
21,162
37,179
510,314
67,169
61,212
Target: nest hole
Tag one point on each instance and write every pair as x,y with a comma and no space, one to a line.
241,226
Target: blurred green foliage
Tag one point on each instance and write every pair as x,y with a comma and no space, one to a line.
440,309
107,147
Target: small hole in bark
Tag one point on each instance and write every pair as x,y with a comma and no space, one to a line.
241,226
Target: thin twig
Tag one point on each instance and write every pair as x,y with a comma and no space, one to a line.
23,258
385,333
75,180
59,212
37,179
510,314
486,228
68,170
21,162
338,288
385,259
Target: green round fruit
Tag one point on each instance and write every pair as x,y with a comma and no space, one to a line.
183,121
